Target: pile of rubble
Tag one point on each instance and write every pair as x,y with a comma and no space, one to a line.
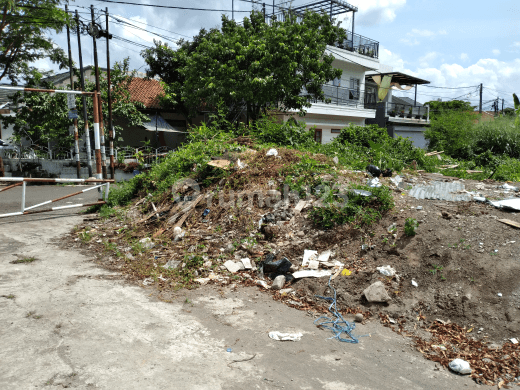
453,268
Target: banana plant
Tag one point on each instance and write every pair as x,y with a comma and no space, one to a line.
517,109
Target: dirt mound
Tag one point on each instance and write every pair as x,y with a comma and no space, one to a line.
463,261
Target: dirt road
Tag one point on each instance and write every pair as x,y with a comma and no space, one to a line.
68,323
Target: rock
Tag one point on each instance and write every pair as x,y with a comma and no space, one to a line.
208,264
129,256
286,291
247,263
359,317
301,233
335,160
278,282
172,264
446,215
294,268
229,248
233,267
376,292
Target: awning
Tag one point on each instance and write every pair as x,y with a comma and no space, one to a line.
158,123
399,78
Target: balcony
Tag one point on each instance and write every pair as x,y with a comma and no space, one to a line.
359,44
406,113
341,96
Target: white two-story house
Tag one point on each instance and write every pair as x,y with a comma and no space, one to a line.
354,97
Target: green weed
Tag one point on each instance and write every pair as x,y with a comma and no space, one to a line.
410,226
25,260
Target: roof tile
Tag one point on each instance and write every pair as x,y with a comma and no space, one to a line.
146,91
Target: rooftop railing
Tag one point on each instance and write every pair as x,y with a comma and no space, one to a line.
359,44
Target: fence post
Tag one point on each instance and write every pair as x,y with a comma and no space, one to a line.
23,196
107,188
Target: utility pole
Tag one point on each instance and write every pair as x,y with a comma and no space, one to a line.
415,99
233,9
75,121
84,100
100,105
263,10
273,9
110,125
503,106
480,104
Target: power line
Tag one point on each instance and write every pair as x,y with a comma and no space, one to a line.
149,25
169,6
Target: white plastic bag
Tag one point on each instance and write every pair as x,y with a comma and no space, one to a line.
386,270
460,366
285,336
272,152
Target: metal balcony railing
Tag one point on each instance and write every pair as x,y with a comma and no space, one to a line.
341,96
359,44
407,111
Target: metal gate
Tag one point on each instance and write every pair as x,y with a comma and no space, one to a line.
22,181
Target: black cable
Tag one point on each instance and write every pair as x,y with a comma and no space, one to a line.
169,6
135,21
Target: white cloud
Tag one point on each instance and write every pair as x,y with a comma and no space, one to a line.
464,57
421,33
496,52
387,57
443,32
409,41
516,44
372,12
425,60
492,73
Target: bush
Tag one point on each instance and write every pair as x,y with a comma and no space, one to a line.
500,137
289,134
453,132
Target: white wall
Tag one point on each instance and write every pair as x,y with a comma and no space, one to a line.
327,123
416,135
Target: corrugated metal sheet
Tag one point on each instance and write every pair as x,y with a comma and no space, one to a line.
450,191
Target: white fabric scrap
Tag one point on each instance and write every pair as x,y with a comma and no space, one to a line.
285,336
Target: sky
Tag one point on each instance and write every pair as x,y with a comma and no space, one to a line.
456,45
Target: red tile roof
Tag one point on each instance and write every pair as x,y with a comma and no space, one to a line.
146,92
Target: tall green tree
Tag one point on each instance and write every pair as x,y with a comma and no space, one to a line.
168,63
42,117
256,65
24,36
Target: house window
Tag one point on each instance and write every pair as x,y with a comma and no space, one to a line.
335,131
370,94
317,135
354,89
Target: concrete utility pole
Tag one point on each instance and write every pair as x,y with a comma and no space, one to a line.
75,120
502,106
110,125
100,105
480,104
84,100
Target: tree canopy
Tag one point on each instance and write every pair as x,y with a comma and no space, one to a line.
254,65
42,117
24,29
